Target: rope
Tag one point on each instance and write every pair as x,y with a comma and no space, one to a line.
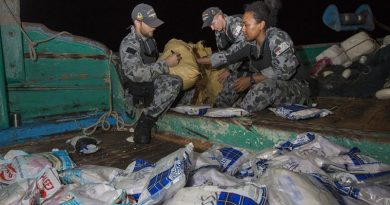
102,121
31,44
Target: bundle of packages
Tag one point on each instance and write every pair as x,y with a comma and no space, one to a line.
31,165
89,194
168,176
88,174
134,178
299,112
244,194
288,188
32,191
226,159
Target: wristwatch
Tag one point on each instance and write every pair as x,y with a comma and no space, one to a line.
252,80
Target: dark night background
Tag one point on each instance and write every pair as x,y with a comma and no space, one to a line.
106,21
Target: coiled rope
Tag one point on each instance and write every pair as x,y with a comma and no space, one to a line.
103,120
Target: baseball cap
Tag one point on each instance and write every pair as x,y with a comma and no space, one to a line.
208,15
145,13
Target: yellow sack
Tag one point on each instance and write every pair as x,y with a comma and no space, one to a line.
187,69
200,50
213,86
208,87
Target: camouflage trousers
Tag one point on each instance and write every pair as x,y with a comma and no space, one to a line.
268,92
167,90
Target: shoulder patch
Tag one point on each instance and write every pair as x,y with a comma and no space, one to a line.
237,31
131,51
281,48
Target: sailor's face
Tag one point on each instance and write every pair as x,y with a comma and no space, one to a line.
251,28
146,30
218,23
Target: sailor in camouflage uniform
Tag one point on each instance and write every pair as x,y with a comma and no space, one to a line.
146,78
271,79
229,39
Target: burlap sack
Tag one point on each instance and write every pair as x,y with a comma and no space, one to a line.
210,87
187,69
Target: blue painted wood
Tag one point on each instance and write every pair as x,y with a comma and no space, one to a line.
4,120
39,130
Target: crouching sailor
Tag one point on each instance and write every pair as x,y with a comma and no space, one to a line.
146,79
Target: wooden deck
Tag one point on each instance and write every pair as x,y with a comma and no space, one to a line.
114,151
362,120
355,118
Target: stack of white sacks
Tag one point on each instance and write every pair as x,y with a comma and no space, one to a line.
350,50
306,170
356,48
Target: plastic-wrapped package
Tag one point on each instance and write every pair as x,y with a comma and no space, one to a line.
229,158
88,174
134,178
169,175
371,194
257,164
14,193
253,169
10,155
299,141
358,45
363,167
59,159
268,153
212,177
292,162
351,201
226,112
32,191
205,159
245,194
290,188
192,109
32,165
311,144
88,194
46,185
337,56
299,112
206,110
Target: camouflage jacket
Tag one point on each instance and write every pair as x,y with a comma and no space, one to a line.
132,63
229,40
275,58
284,62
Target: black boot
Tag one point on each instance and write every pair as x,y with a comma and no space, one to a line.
142,133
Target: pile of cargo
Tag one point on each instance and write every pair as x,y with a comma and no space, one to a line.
306,170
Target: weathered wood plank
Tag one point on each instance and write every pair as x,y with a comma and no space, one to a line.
114,151
355,118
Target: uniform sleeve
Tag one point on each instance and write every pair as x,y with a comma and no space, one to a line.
219,41
284,61
133,66
220,58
